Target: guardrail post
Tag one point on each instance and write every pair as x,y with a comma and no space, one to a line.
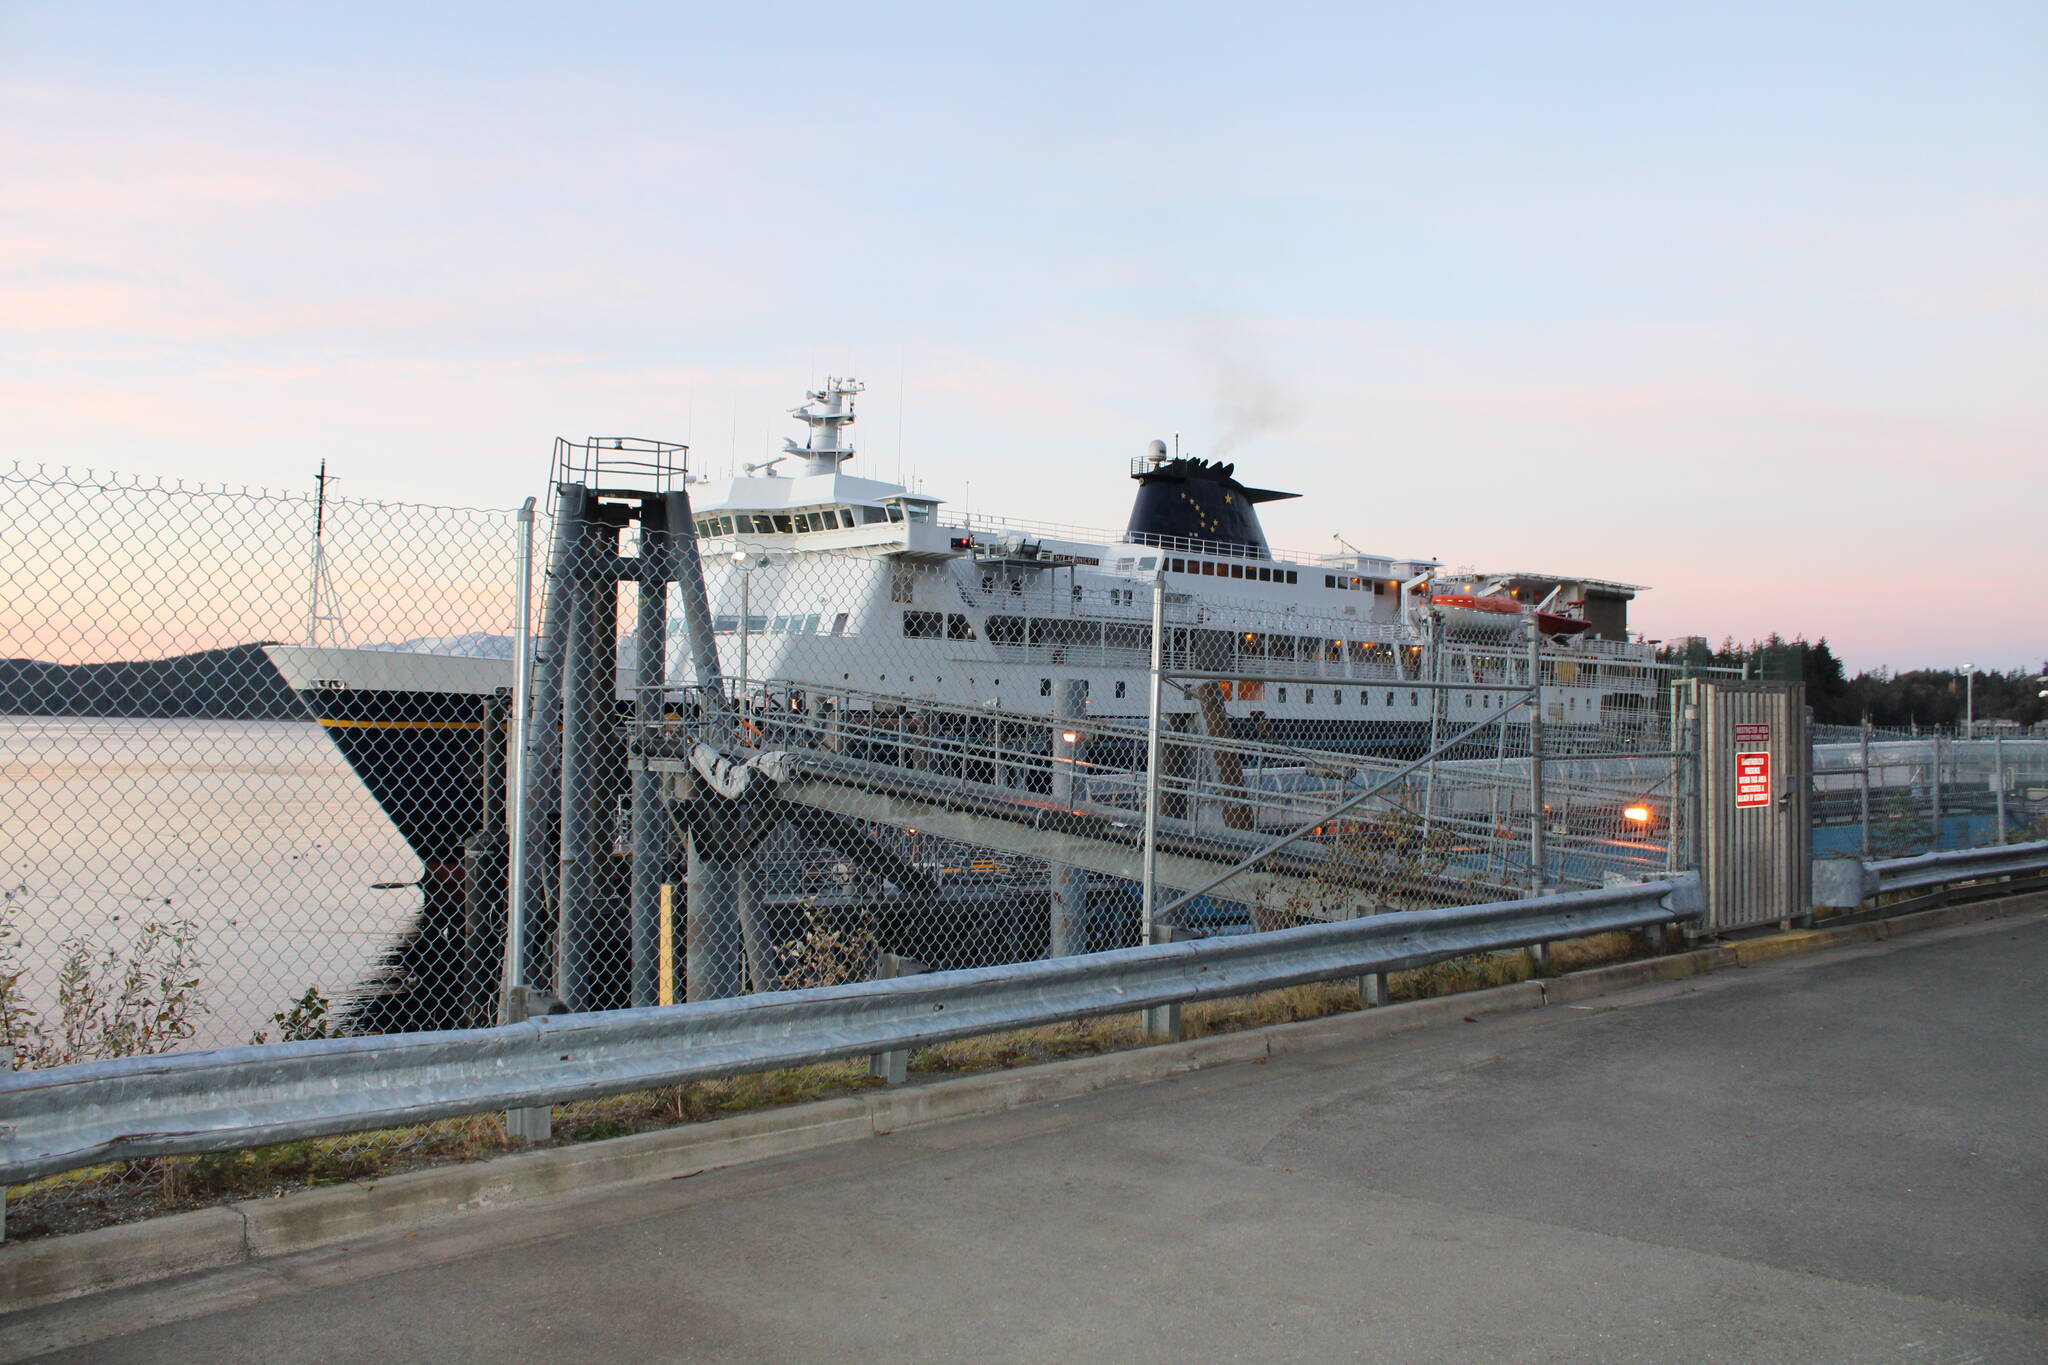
1163,1022
1371,986
893,1067
535,1124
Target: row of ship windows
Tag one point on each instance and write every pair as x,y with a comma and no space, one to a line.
1252,692
1376,586
815,519
797,623
1260,573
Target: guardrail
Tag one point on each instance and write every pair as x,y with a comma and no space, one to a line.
182,1103
1845,882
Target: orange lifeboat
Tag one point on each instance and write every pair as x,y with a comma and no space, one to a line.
1498,612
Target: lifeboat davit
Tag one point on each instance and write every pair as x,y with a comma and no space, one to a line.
1495,612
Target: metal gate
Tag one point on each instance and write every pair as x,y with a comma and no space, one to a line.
1750,802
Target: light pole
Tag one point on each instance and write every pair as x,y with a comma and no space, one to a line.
1969,701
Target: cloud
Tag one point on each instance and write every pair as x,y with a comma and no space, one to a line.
96,160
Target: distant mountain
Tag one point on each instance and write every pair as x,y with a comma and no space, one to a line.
475,645
215,684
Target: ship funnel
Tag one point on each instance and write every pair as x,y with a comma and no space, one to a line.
1196,504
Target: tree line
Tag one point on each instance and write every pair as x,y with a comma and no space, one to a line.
1924,697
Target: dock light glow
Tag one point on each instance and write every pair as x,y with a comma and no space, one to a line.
1638,814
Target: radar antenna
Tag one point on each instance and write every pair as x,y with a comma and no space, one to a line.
823,450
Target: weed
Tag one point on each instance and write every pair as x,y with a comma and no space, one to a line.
309,1017
127,1001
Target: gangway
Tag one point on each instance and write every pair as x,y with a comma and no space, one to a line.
976,777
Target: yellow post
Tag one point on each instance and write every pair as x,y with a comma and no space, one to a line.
667,949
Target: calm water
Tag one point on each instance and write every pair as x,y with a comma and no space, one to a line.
255,830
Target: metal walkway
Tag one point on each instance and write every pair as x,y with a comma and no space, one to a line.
928,768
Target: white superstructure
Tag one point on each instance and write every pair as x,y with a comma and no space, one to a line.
822,580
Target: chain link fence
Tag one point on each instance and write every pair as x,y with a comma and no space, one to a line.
189,858
267,775
1893,793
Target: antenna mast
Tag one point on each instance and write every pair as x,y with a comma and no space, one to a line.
323,606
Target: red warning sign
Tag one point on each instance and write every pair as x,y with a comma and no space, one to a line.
1752,779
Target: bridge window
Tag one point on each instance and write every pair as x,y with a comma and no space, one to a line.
958,627
1120,689
1045,687
922,625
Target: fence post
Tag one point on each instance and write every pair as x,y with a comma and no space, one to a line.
515,765
653,839
1149,883
1934,790
1998,777
1863,796
1067,932
1538,855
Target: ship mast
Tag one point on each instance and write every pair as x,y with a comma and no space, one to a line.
323,606
823,451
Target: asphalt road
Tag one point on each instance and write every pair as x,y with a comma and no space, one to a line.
1841,1157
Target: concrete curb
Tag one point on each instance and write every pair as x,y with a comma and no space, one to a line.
51,1269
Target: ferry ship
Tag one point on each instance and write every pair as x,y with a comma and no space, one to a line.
824,582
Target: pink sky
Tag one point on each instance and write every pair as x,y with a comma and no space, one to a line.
1752,310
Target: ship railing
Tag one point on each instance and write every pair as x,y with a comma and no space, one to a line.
933,734
985,524
619,462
